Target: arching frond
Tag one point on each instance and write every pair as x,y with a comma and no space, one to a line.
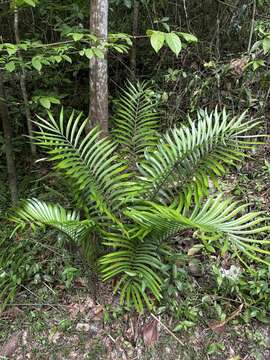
136,264
187,157
132,215
216,216
136,121
100,177
40,213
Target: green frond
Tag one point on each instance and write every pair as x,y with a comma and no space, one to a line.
100,177
186,158
40,213
131,215
137,265
219,217
136,121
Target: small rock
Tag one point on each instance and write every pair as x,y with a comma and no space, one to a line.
73,355
24,338
93,328
83,327
89,303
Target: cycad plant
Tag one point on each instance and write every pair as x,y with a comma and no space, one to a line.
136,207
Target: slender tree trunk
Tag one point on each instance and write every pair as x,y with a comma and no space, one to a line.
133,54
12,179
251,27
23,84
98,109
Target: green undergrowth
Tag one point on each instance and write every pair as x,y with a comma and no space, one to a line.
215,305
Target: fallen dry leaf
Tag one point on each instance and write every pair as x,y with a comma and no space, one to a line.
238,65
195,249
219,326
74,310
78,308
13,313
97,312
80,283
150,333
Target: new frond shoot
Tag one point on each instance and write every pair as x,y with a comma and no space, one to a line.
136,206
136,121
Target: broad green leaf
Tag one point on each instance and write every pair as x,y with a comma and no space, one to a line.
157,40
30,2
98,53
45,102
128,3
256,45
174,43
257,64
88,53
188,37
76,36
58,58
149,32
91,37
23,46
11,49
54,100
166,26
266,44
67,58
36,63
10,66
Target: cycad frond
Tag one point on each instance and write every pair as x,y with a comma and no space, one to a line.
100,177
132,215
40,213
187,157
137,264
216,216
136,121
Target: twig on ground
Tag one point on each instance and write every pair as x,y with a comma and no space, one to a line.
167,329
113,340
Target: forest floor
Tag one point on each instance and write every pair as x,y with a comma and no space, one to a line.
79,328
69,324
75,329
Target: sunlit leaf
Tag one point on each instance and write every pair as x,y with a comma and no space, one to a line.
174,43
157,40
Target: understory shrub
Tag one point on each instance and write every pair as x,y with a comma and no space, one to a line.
137,188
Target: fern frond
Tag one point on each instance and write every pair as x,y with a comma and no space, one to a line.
136,121
100,177
216,216
187,157
40,213
137,264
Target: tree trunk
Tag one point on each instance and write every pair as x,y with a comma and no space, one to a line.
11,169
133,54
98,109
23,84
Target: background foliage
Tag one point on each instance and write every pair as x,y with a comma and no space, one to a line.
222,60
